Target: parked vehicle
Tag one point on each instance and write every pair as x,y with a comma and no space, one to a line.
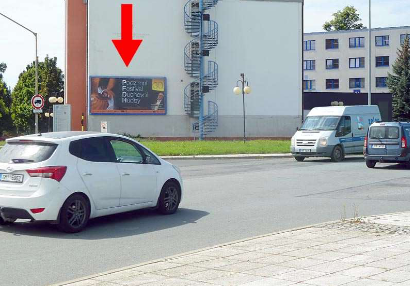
387,142
67,178
333,131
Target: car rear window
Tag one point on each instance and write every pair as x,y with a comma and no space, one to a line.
384,132
30,152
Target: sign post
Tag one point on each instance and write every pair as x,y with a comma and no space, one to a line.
37,102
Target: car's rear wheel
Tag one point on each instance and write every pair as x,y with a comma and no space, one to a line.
75,214
169,198
370,163
6,222
337,154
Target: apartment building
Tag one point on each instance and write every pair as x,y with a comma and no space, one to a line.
337,61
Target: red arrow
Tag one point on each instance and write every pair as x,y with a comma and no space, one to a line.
126,47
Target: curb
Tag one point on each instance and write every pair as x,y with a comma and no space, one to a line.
186,253
230,156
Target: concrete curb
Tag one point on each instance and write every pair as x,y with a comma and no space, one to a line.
230,156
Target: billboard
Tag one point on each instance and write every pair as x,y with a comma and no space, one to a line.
127,95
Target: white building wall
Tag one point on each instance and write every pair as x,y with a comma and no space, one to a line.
252,40
344,53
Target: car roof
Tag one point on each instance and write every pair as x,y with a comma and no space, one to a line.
344,110
394,123
60,136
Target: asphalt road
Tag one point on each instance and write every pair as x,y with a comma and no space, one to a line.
225,200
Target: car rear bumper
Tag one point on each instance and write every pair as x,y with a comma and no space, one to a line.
387,158
13,213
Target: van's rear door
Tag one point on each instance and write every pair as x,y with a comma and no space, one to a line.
384,140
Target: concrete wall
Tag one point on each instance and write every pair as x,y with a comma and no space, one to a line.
344,53
252,40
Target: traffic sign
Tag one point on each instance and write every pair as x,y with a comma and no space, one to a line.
36,111
37,101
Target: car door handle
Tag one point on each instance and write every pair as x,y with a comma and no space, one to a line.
125,174
87,174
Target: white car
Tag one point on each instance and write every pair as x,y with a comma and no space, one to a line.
67,178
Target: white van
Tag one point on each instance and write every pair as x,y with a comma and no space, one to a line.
334,131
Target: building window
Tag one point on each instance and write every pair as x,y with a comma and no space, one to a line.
309,84
381,81
309,65
355,63
402,37
357,42
356,82
332,44
332,83
332,64
382,61
382,41
309,45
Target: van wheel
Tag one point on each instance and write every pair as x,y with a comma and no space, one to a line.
299,159
75,213
337,154
169,198
370,164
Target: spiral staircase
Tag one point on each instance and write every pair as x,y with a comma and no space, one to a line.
204,32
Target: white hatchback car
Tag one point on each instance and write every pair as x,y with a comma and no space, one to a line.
67,178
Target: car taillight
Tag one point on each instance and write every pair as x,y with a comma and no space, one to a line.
55,173
365,141
403,142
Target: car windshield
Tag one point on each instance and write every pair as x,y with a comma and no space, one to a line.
30,152
321,123
384,132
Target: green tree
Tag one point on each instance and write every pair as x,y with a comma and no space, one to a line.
50,82
399,83
347,19
5,101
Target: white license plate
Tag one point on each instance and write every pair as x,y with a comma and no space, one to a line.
305,150
11,178
379,146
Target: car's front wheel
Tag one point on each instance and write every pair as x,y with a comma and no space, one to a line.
337,154
370,163
299,158
75,214
169,198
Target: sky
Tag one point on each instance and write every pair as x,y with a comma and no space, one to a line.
47,18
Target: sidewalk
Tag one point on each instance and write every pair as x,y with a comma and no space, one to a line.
230,156
368,251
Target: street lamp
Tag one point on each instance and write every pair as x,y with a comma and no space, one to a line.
48,115
36,68
242,90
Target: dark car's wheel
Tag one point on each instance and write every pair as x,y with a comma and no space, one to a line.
337,154
370,163
74,215
299,158
169,198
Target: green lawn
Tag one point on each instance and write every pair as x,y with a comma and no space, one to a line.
184,148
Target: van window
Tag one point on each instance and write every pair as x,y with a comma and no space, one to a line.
345,126
27,152
384,132
320,123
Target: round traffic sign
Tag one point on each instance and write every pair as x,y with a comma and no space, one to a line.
37,101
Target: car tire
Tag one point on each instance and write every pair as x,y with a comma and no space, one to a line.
169,198
337,154
74,214
299,158
6,222
370,163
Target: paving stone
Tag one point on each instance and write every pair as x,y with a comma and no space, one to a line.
176,282
237,279
274,259
392,276
152,267
139,279
222,252
207,276
186,259
269,270
91,282
331,280
360,259
369,282
248,256
241,267
331,267
216,263
330,256
362,271
389,263
305,252
299,275
270,282
302,263
180,271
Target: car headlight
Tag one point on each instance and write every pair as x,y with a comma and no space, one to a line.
177,169
323,142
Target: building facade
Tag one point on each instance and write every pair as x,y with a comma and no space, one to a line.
158,94
337,61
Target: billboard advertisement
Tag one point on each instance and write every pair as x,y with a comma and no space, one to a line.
127,95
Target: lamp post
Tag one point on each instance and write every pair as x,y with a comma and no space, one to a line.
244,89
36,68
369,94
